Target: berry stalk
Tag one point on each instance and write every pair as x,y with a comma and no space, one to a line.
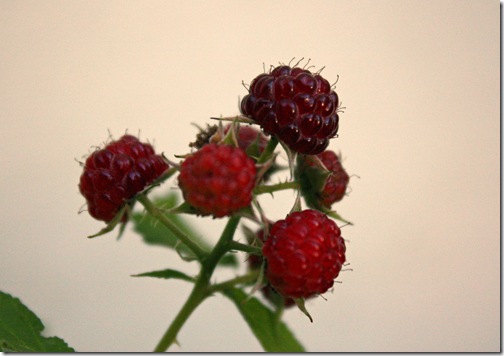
156,213
238,246
248,278
201,288
262,189
268,150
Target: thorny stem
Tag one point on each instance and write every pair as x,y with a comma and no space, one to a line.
245,279
197,296
158,214
261,189
201,288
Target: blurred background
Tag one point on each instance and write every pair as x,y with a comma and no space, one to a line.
420,83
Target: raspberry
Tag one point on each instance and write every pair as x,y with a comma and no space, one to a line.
304,254
254,263
116,173
335,185
299,107
218,180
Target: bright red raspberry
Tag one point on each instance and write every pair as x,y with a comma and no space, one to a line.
304,254
218,180
116,173
254,264
297,106
335,185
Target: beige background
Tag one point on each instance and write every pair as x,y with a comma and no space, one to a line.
420,80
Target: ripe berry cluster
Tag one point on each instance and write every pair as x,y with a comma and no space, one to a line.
116,173
302,253
296,105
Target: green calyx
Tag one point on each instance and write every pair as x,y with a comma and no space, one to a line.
312,176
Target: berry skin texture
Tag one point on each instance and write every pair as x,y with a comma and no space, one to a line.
116,173
336,183
297,106
304,254
217,180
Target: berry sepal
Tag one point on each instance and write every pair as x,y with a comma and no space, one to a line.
291,157
335,215
255,148
323,179
183,208
265,170
300,302
237,118
297,207
124,212
260,281
157,182
312,176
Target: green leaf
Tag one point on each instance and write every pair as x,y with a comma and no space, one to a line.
166,274
272,333
154,233
20,329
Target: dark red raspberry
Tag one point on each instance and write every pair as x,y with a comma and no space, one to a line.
116,173
299,107
335,185
304,254
218,180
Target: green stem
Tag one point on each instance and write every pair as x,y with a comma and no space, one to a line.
198,294
156,213
245,279
238,246
261,189
222,245
201,288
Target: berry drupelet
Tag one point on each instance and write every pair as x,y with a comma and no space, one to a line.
117,172
304,254
217,180
297,106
